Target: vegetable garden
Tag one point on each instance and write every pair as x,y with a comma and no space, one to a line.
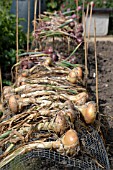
52,110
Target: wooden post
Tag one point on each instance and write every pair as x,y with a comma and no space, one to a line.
96,67
1,84
16,37
28,30
39,6
35,12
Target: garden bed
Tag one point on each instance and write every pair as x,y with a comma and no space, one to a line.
105,63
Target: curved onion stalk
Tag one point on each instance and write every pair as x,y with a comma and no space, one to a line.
34,87
17,105
67,145
27,72
88,111
38,93
53,82
58,124
78,99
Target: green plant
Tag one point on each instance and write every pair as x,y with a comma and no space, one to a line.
53,5
8,39
103,3
97,3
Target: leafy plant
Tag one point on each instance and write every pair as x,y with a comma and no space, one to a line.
53,5
8,38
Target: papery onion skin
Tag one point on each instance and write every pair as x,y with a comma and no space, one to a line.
79,99
89,112
75,75
25,73
61,123
70,138
13,105
70,142
48,61
72,77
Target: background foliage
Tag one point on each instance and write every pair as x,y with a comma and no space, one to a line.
8,29
8,39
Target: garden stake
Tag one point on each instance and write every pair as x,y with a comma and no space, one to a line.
35,9
16,36
87,11
1,84
96,67
86,50
28,25
89,24
83,11
39,6
77,7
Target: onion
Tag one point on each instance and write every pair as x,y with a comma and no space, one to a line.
25,73
54,57
71,142
79,99
20,80
72,24
70,138
88,112
78,71
30,64
75,75
49,50
61,123
48,61
72,77
13,105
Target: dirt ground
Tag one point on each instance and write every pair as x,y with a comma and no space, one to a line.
105,85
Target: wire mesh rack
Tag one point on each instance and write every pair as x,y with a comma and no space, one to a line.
93,156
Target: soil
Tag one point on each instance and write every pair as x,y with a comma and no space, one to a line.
105,85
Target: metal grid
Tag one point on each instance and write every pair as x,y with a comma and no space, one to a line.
93,157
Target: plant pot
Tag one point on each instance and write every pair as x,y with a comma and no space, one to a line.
101,18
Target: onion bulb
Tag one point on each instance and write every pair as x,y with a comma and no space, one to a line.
49,50
71,142
75,75
25,73
48,61
88,111
13,105
61,123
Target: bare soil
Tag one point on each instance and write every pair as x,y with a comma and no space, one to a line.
105,85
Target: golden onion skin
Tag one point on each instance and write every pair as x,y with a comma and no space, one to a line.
70,142
13,105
